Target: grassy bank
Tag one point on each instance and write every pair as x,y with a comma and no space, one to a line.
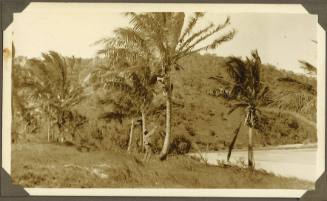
48,165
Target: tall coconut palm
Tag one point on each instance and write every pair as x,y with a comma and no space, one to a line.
131,97
246,91
131,77
165,42
128,54
20,103
51,88
21,109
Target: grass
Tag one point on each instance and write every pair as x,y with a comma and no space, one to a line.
50,165
198,116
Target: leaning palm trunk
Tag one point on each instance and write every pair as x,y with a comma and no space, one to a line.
143,129
130,137
250,149
165,147
231,146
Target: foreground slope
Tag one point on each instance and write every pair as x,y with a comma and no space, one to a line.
47,165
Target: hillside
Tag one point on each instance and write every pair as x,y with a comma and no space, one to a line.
96,150
203,120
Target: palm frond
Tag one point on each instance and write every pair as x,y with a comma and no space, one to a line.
254,72
191,24
206,35
236,106
237,70
119,85
129,36
263,93
194,36
225,38
220,80
40,69
172,29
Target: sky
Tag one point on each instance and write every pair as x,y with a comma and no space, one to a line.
281,39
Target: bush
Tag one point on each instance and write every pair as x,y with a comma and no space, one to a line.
72,122
190,130
180,145
99,134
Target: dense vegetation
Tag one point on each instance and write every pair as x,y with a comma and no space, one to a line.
206,125
154,75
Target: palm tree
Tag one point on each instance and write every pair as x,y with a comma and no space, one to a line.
51,88
134,89
20,103
128,54
122,107
136,86
165,42
246,91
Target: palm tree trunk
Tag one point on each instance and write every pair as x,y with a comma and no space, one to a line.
165,147
26,128
48,118
48,129
143,128
51,132
231,146
130,137
61,133
250,149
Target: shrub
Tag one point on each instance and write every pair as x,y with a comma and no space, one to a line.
99,134
72,121
190,130
180,145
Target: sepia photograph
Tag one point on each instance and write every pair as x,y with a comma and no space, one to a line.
116,99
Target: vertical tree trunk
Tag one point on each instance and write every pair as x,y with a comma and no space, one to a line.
51,131
61,129
143,129
250,149
48,129
49,122
165,147
26,128
130,137
61,138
